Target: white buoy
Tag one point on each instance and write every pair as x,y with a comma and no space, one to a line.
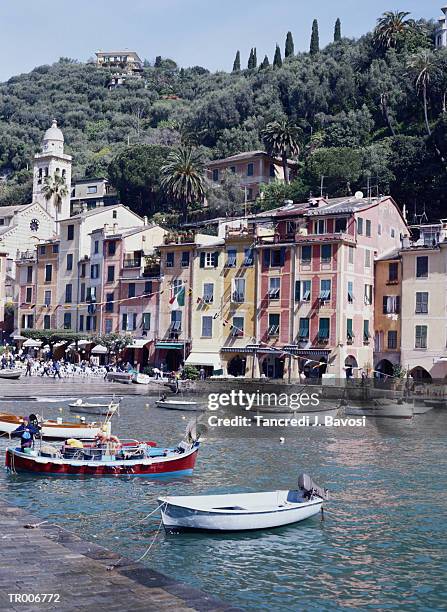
282,440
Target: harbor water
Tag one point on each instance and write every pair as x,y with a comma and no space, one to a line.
380,547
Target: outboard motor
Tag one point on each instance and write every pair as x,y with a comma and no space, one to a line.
309,487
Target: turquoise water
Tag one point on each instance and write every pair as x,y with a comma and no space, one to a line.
381,545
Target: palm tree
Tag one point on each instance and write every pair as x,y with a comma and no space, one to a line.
281,139
391,26
182,177
55,188
423,65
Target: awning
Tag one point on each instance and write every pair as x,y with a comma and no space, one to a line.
80,343
99,350
138,343
204,359
18,337
31,343
61,343
169,345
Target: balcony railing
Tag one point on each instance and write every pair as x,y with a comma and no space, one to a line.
132,263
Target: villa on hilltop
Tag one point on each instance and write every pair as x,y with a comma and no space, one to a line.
123,64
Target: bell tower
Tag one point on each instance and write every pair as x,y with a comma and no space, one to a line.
52,172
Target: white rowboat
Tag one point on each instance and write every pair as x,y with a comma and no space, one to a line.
13,374
179,405
91,408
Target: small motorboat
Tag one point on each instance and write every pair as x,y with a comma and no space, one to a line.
108,456
141,379
243,511
436,402
179,405
391,410
120,377
92,408
11,374
56,429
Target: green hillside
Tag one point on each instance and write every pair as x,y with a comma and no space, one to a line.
359,105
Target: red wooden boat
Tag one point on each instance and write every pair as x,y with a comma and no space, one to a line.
110,459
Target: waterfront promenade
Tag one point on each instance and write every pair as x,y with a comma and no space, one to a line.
52,560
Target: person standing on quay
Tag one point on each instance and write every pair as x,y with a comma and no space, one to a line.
29,365
57,369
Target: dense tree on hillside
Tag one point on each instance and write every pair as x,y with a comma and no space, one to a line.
337,30
226,197
265,63
315,38
281,139
183,179
237,62
289,49
277,60
252,60
424,67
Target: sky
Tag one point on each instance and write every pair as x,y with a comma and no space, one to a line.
192,32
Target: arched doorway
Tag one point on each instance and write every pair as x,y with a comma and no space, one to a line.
350,365
237,366
420,374
273,367
384,369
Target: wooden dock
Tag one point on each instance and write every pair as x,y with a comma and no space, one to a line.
48,559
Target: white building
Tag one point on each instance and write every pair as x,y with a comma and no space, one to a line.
441,32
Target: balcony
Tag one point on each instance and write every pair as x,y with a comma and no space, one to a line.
132,263
179,238
323,238
26,256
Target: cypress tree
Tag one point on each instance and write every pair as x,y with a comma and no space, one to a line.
237,62
277,61
315,39
290,48
265,63
337,30
250,60
255,59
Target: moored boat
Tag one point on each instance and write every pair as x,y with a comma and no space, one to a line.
12,374
179,405
121,377
109,459
390,410
242,511
436,402
56,429
141,379
93,408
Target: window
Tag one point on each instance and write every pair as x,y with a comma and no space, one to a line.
170,260
393,232
92,189
393,272
366,334
29,295
323,329
96,247
273,329
391,304
47,298
27,321
368,228
421,337
274,288
422,267
125,322
176,287
46,322
70,232
42,249
379,229
349,331
421,302
392,340
115,214
303,332
277,257
250,169
111,248
233,169
326,253
350,292
238,290
82,296
367,258
131,290
306,287
81,322
360,226
67,320
208,293
306,254
110,274
272,172
69,262
248,257
68,293
340,225
215,175
148,287
91,294
368,294
176,321
185,259
325,290
297,291
237,328
94,271
146,321
109,302
231,258
29,274
108,326
320,226
350,255
290,228
207,327
209,260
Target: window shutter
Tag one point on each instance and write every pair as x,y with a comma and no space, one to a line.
282,256
216,259
297,290
266,258
397,304
385,303
202,260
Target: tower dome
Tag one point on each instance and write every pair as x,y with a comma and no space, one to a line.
53,139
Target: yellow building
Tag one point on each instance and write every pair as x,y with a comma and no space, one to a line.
387,312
